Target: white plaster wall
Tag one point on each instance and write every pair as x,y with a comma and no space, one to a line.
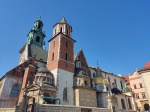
65,80
92,71
9,81
119,97
112,77
146,81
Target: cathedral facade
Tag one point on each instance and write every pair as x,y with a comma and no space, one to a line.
60,77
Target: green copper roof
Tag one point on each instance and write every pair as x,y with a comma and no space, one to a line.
63,20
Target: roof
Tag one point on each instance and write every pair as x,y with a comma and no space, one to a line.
80,71
146,66
115,91
63,20
100,80
43,69
126,79
38,53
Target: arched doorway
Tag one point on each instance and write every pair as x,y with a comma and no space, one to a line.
146,107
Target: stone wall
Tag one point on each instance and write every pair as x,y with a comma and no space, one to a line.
63,108
85,97
8,102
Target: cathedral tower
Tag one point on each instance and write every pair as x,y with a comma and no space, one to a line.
35,45
61,60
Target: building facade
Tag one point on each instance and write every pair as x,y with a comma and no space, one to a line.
61,77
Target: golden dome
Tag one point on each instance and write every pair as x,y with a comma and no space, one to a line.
100,80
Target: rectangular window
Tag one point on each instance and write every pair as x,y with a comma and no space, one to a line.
134,86
143,95
141,85
38,39
137,96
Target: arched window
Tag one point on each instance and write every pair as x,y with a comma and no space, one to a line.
129,102
66,57
121,84
38,39
15,91
65,94
85,83
60,29
52,56
123,104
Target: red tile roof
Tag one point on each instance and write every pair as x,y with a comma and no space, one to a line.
147,66
126,79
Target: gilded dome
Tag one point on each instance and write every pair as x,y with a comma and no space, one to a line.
100,80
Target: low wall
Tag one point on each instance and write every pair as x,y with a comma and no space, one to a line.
7,109
8,102
65,108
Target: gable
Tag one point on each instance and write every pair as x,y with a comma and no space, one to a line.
146,66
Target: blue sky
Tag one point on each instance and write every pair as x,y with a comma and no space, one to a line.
115,32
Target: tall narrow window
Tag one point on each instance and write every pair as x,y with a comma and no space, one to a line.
66,57
140,85
53,44
67,44
121,84
85,83
109,79
67,31
123,104
65,94
115,82
129,102
38,39
134,86
60,29
39,25
55,31
14,91
52,56
94,75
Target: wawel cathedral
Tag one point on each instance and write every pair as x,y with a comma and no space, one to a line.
58,80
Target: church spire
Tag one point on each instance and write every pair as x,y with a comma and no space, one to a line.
63,20
62,27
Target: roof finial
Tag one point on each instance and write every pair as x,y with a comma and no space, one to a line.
80,48
97,64
40,17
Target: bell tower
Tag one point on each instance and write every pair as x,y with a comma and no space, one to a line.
35,45
36,35
61,59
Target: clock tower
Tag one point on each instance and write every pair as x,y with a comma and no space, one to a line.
35,45
60,60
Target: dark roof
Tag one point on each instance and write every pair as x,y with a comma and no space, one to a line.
37,52
43,69
115,91
80,71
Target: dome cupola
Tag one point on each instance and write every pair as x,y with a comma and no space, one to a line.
44,76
